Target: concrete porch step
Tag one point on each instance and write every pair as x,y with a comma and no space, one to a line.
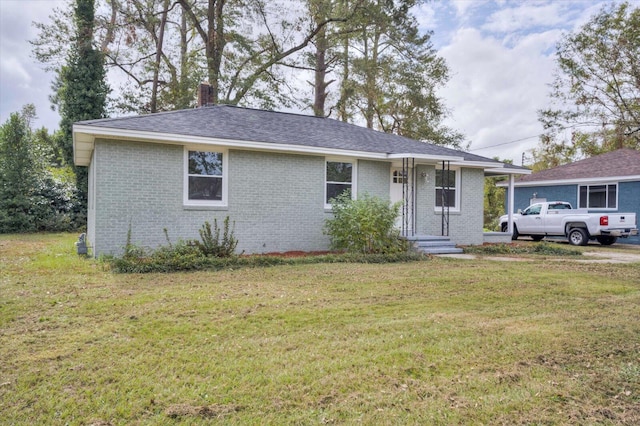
441,250
426,238
433,244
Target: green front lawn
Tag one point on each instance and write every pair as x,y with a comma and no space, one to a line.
441,341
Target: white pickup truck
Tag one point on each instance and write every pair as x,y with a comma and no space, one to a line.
558,218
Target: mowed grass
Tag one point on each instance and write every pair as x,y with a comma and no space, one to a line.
441,341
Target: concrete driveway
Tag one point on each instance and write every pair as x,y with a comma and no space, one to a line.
611,256
617,253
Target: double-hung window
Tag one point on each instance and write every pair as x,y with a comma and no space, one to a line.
339,179
205,178
598,196
447,184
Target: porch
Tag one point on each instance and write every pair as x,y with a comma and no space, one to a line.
454,216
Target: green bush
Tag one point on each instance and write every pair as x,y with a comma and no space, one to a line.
175,260
211,245
365,225
215,253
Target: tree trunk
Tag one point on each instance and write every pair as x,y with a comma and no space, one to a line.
215,46
213,39
186,92
153,104
320,86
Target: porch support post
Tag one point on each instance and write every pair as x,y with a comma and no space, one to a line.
511,203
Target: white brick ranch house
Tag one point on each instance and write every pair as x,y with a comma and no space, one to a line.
272,173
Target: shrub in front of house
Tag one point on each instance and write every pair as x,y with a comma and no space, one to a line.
216,252
169,260
211,244
365,225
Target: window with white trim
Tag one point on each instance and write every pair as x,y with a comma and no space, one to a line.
447,185
399,176
205,177
598,196
339,179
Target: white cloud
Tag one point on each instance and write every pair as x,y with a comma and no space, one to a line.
524,17
13,70
501,56
464,7
426,15
22,80
588,13
496,90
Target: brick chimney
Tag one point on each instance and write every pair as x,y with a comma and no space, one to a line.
205,95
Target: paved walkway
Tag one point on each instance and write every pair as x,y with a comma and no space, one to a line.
611,256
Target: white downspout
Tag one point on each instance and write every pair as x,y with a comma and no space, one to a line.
511,203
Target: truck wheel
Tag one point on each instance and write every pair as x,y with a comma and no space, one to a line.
606,240
537,237
515,234
578,237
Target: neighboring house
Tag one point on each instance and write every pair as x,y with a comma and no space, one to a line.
272,173
608,182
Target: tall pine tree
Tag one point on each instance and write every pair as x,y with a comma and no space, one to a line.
80,90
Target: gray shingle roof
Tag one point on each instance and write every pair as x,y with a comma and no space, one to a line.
622,162
245,124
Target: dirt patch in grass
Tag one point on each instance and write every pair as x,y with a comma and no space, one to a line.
611,256
206,411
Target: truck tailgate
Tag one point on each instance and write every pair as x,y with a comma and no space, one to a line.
621,220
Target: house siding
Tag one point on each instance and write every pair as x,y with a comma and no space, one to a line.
91,201
628,199
465,225
374,178
523,195
276,200
138,186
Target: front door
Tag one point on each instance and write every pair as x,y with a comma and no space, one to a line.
400,191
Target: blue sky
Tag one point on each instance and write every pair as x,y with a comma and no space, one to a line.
500,54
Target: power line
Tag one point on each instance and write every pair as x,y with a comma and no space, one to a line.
507,143
531,137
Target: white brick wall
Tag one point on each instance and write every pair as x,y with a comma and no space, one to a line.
465,226
276,200
374,178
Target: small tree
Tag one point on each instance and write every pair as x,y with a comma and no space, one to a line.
33,195
18,179
365,225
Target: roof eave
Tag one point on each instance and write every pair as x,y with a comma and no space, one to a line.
590,180
84,136
425,157
506,170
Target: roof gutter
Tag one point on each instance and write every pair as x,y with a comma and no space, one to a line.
506,170
590,180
